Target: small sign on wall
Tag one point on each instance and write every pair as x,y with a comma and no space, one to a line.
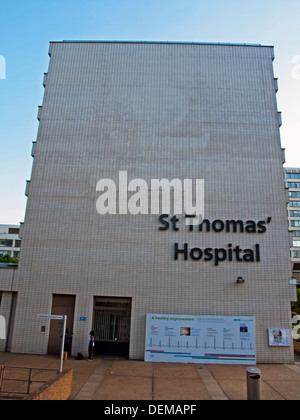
279,337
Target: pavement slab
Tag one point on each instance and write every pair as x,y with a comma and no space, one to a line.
109,378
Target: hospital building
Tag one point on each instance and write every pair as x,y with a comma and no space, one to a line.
116,119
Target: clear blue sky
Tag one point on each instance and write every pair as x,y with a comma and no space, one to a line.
27,27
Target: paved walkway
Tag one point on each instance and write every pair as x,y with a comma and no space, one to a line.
120,379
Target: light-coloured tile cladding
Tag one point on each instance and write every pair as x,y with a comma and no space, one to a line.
155,110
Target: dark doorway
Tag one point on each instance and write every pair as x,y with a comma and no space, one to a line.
61,305
112,326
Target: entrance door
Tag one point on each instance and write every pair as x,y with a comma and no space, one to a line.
61,305
112,326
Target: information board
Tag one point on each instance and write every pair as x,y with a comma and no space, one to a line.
200,339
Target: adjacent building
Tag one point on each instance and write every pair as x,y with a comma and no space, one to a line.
10,242
292,179
118,118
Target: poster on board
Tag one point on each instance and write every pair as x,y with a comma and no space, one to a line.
200,339
279,337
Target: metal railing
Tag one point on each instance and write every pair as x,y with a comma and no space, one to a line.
8,265
28,381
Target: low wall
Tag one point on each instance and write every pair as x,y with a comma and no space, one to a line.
58,388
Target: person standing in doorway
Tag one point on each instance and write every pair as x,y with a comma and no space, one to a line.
68,341
91,345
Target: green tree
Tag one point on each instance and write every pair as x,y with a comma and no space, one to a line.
8,259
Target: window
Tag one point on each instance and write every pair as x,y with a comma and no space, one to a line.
6,242
293,176
293,184
296,243
4,252
18,243
14,231
296,233
294,213
296,254
294,193
295,223
294,203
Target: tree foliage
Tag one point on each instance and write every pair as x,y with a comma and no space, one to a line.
8,259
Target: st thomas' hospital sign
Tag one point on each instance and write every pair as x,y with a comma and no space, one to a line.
230,252
186,201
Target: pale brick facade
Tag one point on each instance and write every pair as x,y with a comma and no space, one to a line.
155,110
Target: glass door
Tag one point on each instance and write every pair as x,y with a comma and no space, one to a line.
112,325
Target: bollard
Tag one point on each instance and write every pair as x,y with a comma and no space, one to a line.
253,383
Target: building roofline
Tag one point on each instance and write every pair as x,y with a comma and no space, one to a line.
162,42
